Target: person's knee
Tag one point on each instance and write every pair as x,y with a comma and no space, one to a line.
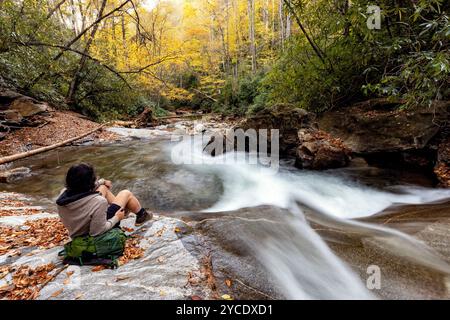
125,193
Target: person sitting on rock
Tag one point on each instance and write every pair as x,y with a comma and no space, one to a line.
88,207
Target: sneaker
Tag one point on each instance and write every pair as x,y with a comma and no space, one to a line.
143,218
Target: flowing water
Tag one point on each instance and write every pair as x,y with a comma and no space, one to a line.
298,258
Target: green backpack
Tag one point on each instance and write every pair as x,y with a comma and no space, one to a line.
108,246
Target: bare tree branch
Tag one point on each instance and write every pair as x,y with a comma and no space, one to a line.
52,11
300,24
75,39
40,44
149,65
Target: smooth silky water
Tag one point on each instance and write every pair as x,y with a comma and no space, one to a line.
296,256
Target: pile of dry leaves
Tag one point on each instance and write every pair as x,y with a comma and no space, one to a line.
19,212
9,202
26,281
43,233
132,250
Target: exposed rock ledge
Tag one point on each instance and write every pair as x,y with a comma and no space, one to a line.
388,136
299,137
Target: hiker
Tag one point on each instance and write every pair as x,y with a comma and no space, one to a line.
88,207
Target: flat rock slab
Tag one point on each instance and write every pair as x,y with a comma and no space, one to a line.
162,273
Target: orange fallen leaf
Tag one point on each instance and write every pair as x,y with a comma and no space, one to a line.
56,293
98,268
228,282
69,273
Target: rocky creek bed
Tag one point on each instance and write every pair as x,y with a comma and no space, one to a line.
206,242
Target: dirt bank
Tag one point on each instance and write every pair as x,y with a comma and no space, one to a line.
58,126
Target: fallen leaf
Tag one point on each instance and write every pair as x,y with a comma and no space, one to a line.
121,278
98,268
162,293
228,282
13,253
160,232
227,297
192,280
196,298
67,281
70,273
79,296
177,230
56,293
128,229
161,260
4,271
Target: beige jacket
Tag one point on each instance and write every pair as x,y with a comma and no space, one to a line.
84,214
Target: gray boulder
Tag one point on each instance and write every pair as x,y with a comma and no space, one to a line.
15,174
27,106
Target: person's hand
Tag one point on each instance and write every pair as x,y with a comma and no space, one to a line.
108,184
120,214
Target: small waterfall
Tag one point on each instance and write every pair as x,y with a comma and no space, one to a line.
298,258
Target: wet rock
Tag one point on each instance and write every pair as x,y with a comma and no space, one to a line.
11,116
283,117
374,129
317,150
15,174
287,119
228,238
6,97
388,136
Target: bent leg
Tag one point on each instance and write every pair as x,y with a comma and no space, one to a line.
126,199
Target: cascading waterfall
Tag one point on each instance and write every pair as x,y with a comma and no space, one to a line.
298,258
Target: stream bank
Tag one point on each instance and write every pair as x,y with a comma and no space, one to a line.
208,241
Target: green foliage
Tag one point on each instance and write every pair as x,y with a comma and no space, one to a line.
27,60
407,59
241,96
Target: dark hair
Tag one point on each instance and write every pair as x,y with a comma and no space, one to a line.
80,178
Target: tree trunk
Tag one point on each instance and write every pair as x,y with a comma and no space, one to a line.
73,17
238,41
70,99
281,19
124,38
251,16
288,24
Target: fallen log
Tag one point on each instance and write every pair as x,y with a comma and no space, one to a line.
26,154
190,115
